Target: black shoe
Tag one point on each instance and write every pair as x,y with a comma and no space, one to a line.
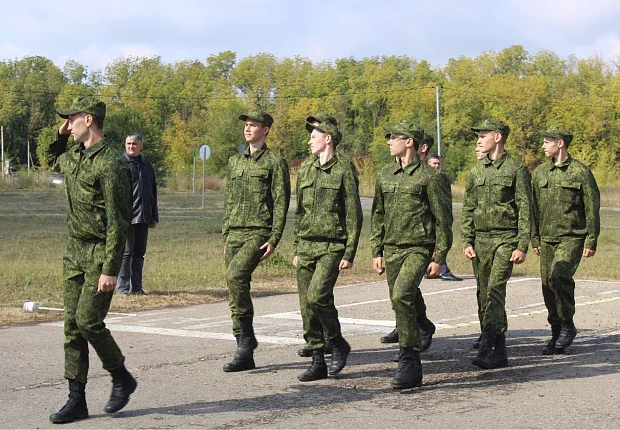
409,371
246,344
427,329
341,350
305,352
550,348
568,331
483,359
138,293
499,356
123,385
75,408
476,344
391,337
318,369
450,277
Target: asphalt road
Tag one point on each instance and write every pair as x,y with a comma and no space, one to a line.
177,356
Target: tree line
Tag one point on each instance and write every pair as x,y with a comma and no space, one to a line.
186,104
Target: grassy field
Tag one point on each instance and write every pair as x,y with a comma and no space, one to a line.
184,262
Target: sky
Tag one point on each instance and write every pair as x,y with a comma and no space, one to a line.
95,32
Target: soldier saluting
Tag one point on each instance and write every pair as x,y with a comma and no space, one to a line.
98,187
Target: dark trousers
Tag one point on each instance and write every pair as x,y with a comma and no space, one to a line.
130,276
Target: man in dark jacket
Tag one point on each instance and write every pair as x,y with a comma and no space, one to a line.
144,215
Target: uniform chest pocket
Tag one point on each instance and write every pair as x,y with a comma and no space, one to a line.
87,178
502,188
410,189
569,191
543,183
328,193
258,179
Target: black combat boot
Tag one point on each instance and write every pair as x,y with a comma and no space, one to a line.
409,371
123,384
318,369
75,408
483,359
427,330
340,352
246,344
476,344
551,348
391,337
568,331
499,356
307,352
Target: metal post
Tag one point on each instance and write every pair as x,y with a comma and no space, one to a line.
28,155
203,183
438,121
194,173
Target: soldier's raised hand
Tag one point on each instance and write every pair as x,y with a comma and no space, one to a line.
64,128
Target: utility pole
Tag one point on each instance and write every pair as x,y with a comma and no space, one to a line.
28,161
194,173
438,121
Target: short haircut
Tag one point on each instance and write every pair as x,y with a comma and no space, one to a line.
98,121
437,156
135,136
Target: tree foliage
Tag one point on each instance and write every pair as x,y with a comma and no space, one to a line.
186,104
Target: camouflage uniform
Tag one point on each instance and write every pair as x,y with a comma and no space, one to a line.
566,213
98,188
258,193
495,222
411,218
328,221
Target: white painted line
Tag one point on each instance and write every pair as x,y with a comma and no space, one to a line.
600,336
608,292
358,285
277,340
599,282
363,303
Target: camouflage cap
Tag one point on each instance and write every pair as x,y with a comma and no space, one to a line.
258,115
558,132
493,124
86,104
406,128
327,125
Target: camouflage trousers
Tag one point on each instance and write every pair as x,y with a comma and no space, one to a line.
558,263
317,272
243,254
85,310
493,268
405,268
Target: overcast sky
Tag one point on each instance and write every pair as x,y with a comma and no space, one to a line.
96,32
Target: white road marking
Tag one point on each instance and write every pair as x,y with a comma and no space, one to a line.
277,340
608,292
597,337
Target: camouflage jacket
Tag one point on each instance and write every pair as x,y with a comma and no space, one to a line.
498,198
258,193
328,204
566,203
98,187
412,207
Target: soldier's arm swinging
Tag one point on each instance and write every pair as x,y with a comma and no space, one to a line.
353,217
592,208
281,192
377,230
523,198
467,219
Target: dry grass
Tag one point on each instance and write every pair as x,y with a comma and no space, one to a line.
184,263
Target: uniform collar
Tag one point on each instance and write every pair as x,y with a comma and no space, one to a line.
409,168
257,154
330,163
92,150
562,165
497,162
